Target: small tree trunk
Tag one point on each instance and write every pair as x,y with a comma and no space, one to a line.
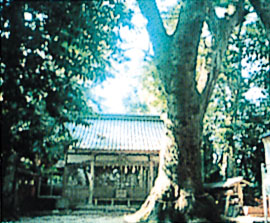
8,187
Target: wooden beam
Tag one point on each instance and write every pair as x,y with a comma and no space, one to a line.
79,151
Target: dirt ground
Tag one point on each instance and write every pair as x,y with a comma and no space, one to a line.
101,215
71,219
74,217
91,217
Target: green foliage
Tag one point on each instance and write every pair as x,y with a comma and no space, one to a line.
234,123
49,50
152,84
134,104
149,96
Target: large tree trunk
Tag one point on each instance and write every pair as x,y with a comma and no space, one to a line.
178,192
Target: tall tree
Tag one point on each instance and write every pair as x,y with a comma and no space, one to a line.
234,121
179,188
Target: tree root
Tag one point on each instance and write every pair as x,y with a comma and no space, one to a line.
187,207
161,186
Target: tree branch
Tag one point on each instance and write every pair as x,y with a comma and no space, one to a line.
187,14
157,32
221,30
185,43
262,8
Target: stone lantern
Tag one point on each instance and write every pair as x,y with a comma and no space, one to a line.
266,175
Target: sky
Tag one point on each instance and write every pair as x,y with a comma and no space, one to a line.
136,42
113,90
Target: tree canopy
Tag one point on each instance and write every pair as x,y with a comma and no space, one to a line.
49,52
234,120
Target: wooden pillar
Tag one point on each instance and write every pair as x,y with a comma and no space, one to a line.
142,177
241,195
91,182
151,175
65,180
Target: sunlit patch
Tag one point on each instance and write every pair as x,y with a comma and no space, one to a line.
255,94
28,16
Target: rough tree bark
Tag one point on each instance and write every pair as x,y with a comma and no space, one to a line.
178,194
262,8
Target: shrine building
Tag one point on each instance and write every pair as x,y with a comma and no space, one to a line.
113,160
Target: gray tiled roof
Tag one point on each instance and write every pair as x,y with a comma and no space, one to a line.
119,132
